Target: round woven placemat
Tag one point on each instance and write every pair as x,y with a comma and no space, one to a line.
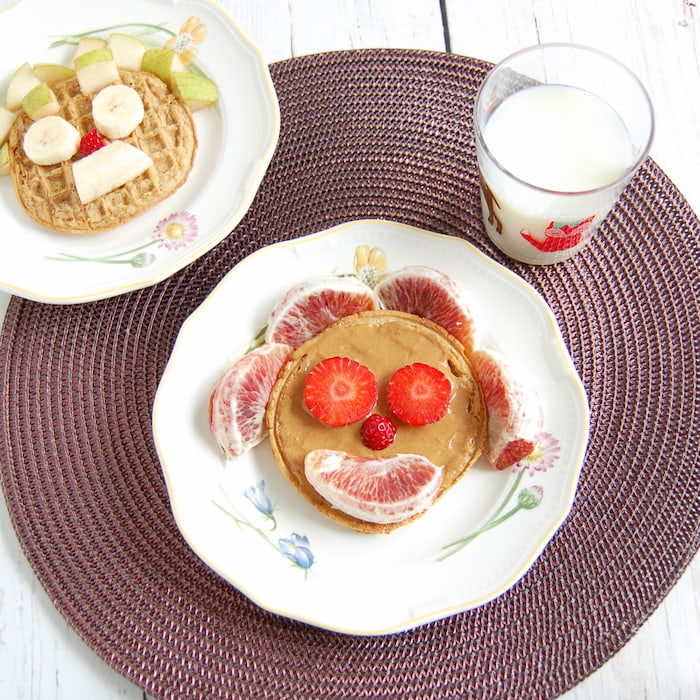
382,134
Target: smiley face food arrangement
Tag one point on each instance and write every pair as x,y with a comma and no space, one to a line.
91,146
376,401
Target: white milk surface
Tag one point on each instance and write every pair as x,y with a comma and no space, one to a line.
560,138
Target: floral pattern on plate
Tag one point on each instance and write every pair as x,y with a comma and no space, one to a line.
295,547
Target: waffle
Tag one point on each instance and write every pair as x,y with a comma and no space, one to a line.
384,341
167,134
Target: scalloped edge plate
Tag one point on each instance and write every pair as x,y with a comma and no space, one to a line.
249,524
237,139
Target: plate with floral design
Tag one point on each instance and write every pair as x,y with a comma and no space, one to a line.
236,140
251,526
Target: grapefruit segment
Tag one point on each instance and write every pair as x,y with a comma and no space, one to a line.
375,489
514,412
238,400
429,293
310,307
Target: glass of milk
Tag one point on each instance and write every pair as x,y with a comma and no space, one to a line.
560,130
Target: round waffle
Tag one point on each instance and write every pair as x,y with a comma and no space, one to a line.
167,134
384,341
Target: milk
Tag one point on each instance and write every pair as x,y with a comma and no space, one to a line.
555,159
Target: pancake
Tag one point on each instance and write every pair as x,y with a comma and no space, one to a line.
167,134
384,341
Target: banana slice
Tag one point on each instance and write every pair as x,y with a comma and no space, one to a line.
117,110
50,140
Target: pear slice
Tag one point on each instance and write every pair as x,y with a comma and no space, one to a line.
127,50
162,62
40,101
21,82
51,73
96,69
7,118
108,168
87,44
197,91
4,159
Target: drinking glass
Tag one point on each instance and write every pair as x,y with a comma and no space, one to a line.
560,130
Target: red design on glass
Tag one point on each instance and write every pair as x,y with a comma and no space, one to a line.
558,236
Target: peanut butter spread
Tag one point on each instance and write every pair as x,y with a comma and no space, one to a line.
384,341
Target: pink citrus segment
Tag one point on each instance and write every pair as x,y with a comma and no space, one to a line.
375,489
238,400
310,307
431,294
513,409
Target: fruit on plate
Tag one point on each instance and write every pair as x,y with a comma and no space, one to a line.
91,142
238,400
117,110
196,90
51,73
50,140
21,82
40,102
377,432
309,307
4,159
380,490
112,88
167,135
431,294
108,168
127,50
514,410
383,342
419,394
347,373
6,120
339,391
163,63
87,44
95,69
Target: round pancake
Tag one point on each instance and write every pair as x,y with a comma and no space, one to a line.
384,341
167,134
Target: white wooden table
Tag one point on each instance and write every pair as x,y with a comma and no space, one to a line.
41,658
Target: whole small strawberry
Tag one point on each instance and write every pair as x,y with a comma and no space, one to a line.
377,432
419,394
91,142
339,391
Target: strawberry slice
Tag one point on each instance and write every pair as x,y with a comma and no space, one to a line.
339,391
419,394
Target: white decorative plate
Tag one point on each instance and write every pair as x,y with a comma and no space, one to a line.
237,139
250,525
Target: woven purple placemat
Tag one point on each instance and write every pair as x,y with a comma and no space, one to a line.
365,134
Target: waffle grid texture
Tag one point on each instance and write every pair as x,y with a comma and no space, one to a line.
167,134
